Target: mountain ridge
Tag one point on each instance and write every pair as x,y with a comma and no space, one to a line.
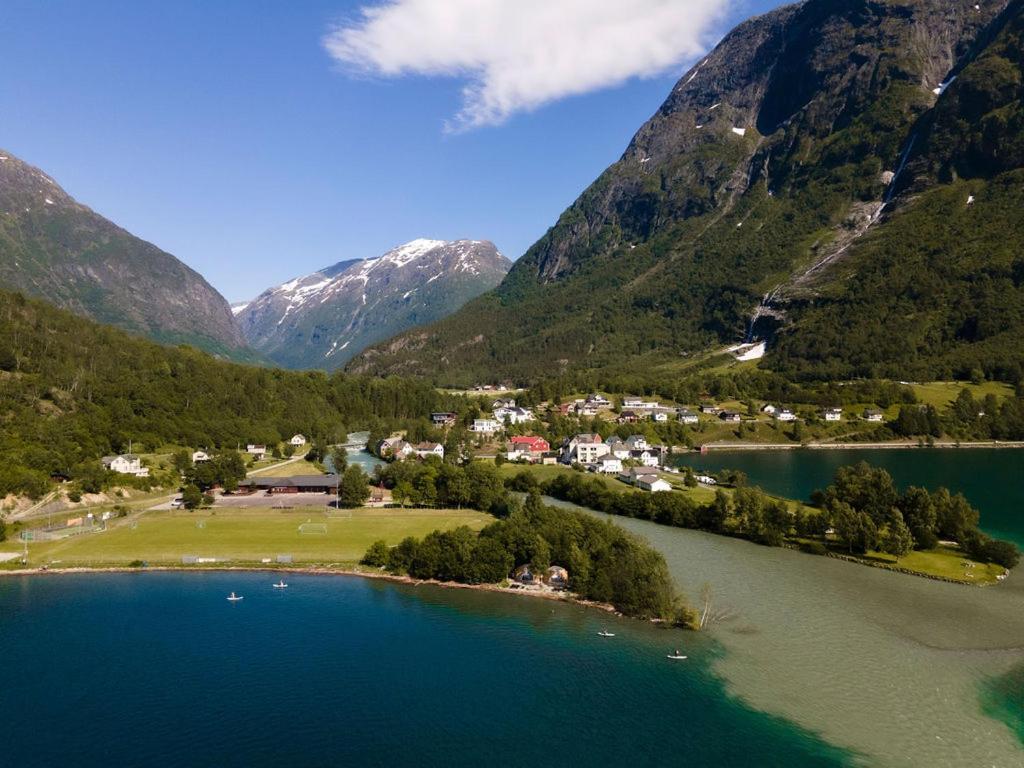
324,318
55,248
767,163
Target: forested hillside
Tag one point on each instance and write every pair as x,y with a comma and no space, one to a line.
55,248
768,186
72,391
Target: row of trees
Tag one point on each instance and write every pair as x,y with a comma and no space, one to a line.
605,563
861,508
867,512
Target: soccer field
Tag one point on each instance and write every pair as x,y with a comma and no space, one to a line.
247,535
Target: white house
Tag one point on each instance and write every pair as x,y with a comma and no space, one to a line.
585,449
687,416
485,426
198,457
873,414
617,446
833,414
659,416
597,399
423,450
706,480
256,449
770,409
637,443
298,440
652,483
632,402
646,457
634,474
513,415
784,414
126,464
608,464
503,402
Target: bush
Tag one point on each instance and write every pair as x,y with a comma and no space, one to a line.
377,555
813,548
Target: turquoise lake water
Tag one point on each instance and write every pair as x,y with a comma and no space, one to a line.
992,479
159,669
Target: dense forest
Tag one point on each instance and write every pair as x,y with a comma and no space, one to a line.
72,391
605,563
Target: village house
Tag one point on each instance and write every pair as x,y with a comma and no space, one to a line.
711,410
730,416
659,416
597,400
256,449
632,473
394,448
528,447
485,426
833,414
617,447
873,414
706,480
652,483
646,457
513,415
769,409
584,449
503,402
628,417
445,419
687,416
586,409
298,440
557,577
126,464
609,464
423,450
637,443
198,457
784,414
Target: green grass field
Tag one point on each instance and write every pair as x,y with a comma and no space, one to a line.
245,535
288,469
942,562
543,473
942,393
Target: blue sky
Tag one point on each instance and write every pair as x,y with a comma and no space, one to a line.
227,134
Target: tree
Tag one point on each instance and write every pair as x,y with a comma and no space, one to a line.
918,512
955,517
377,555
3,529
491,561
896,538
453,486
191,496
182,461
541,558
339,458
354,487
402,492
855,529
208,500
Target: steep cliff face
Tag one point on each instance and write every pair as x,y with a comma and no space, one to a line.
771,158
323,319
59,250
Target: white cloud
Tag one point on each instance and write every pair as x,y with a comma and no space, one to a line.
516,55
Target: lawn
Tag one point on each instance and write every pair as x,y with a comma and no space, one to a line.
288,469
944,562
942,393
246,535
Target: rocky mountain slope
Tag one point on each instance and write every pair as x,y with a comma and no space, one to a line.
323,319
776,163
59,250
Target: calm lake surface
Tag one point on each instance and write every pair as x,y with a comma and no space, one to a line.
991,478
159,669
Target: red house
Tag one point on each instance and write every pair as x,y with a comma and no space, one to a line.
530,443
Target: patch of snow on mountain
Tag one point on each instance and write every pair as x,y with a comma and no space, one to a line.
237,309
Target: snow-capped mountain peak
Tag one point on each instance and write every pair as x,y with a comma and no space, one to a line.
324,318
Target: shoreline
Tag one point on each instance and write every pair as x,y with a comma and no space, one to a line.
563,597
876,446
